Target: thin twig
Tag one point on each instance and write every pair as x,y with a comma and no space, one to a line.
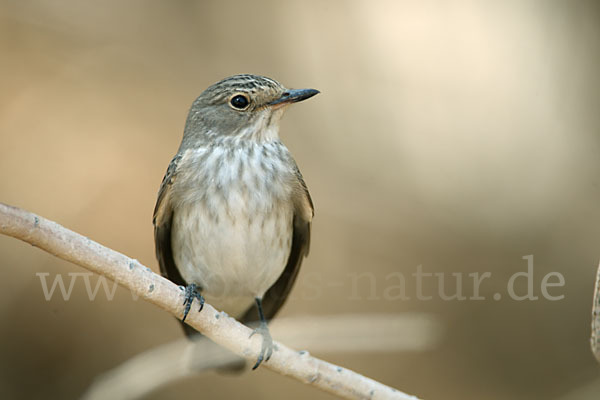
167,363
595,339
144,373
227,332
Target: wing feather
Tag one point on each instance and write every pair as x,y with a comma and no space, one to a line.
162,220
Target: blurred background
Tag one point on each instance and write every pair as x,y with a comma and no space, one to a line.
456,136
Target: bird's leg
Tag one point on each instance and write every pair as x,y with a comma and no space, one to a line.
266,349
191,293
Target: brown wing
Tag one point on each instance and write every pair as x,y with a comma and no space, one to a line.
163,217
277,294
162,220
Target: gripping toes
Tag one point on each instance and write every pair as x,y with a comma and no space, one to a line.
190,294
266,349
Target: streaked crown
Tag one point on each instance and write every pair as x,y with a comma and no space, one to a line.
259,89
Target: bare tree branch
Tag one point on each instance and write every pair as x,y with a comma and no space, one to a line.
595,340
146,372
225,331
183,358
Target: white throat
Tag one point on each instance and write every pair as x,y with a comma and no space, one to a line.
265,127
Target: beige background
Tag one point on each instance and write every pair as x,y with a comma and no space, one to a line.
460,136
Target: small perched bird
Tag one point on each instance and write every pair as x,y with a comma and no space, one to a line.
233,216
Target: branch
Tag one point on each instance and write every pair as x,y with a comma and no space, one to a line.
595,339
223,330
164,364
144,373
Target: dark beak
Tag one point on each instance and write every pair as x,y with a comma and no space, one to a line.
294,96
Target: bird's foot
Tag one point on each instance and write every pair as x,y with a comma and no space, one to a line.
190,294
266,349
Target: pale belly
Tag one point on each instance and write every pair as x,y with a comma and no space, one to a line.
234,255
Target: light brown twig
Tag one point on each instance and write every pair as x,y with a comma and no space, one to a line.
595,339
225,331
183,358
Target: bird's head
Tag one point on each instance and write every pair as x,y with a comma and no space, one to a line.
241,106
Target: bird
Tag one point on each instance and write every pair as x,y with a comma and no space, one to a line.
232,221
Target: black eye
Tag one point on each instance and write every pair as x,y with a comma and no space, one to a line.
239,101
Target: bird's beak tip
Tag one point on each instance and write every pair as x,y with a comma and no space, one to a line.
295,95
303,94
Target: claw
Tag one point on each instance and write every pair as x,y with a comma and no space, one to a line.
189,296
266,350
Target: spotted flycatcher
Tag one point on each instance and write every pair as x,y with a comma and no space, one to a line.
233,215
